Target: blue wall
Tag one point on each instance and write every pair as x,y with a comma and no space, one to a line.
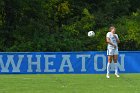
91,62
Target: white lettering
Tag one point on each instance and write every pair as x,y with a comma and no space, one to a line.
10,60
66,59
30,63
96,62
47,63
83,61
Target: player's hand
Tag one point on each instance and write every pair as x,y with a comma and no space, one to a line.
115,46
114,36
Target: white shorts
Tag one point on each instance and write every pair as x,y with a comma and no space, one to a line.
111,52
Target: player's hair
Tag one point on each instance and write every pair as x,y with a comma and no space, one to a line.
111,27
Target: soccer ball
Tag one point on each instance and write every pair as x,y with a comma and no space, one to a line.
91,34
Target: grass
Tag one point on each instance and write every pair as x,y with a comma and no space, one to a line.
127,83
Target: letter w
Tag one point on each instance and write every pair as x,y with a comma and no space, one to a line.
10,60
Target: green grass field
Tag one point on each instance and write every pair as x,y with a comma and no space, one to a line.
127,83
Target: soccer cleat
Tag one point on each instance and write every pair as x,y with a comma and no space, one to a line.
117,75
107,76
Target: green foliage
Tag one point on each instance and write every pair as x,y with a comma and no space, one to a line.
62,25
129,31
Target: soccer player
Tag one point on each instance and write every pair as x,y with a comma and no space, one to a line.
112,50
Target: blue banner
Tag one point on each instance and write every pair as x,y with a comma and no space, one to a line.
91,62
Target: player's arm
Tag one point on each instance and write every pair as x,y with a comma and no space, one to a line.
117,39
109,42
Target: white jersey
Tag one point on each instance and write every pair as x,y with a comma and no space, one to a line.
112,39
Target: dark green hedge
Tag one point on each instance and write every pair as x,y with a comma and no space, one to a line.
62,25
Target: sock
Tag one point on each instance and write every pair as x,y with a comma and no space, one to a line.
108,67
116,68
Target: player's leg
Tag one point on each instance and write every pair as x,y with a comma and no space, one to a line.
109,63
115,59
110,56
